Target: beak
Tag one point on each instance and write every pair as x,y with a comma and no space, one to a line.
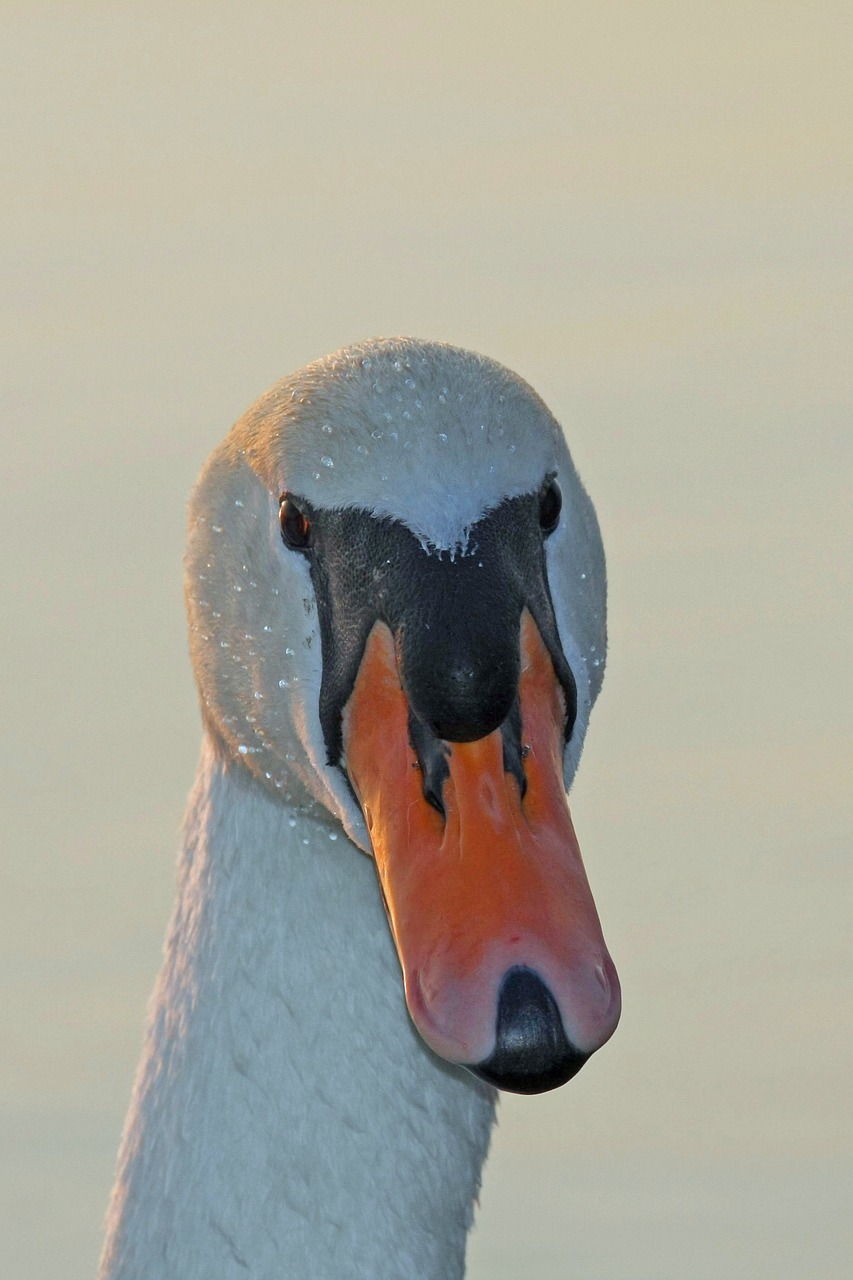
504,963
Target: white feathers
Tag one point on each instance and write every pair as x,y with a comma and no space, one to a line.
419,431
288,1121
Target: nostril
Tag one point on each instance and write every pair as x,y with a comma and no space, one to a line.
532,1052
434,799
432,758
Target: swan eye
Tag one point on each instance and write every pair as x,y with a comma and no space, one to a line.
550,506
295,525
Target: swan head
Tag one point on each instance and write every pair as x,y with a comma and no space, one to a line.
396,592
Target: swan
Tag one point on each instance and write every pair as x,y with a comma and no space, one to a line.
396,594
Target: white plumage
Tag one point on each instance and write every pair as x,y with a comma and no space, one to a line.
287,1119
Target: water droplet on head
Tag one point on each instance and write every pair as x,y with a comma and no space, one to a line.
377,435
442,435
410,383
290,652
243,749
327,428
327,461
284,684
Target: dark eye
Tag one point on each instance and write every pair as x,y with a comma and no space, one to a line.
550,505
295,525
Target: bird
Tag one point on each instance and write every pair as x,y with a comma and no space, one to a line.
395,585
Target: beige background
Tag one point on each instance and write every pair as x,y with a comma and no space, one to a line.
645,209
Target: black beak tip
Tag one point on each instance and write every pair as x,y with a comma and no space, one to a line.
532,1052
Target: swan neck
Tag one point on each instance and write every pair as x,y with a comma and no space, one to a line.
286,1119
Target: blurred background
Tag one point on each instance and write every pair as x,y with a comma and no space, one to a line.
645,210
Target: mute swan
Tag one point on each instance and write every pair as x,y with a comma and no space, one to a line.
396,594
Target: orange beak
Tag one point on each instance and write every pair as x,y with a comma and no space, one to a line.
488,902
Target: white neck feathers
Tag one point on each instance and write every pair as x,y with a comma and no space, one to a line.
287,1120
